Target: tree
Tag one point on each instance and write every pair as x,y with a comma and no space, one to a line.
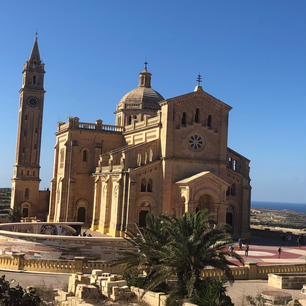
14,214
180,247
17,296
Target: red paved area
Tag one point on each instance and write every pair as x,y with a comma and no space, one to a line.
268,255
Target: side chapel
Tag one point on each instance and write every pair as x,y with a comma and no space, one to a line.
162,156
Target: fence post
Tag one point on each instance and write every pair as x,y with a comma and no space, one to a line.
18,260
252,267
79,264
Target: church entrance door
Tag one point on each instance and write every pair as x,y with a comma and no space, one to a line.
205,201
25,212
229,218
81,214
142,218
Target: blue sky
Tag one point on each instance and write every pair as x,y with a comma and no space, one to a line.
251,55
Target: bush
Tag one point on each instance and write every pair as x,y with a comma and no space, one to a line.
211,292
17,296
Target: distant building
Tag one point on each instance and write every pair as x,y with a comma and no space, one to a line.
162,156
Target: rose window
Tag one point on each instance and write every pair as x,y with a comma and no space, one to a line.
196,142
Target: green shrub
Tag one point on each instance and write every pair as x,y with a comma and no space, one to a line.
17,296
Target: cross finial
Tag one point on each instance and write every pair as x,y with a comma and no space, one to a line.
199,79
146,65
36,35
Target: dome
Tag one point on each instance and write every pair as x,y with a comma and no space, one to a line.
142,97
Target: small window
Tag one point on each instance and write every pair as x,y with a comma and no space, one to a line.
24,133
197,116
26,193
209,120
233,189
23,150
149,187
34,79
26,117
36,130
33,173
129,120
28,173
21,172
143,185
35,146
184,119
85,156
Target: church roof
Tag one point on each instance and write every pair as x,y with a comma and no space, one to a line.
143,96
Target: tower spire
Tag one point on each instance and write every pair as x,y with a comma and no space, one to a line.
35,56
145,77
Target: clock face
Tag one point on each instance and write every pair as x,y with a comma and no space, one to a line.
196,142
32,101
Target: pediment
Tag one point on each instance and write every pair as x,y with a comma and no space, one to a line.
197,95
200,178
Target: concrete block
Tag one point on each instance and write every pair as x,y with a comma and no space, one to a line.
87,292
96,272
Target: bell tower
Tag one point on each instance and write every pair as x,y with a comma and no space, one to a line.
25,181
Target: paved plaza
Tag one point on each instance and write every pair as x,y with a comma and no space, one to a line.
268,255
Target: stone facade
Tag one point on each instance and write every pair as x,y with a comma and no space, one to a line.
166,156
163,156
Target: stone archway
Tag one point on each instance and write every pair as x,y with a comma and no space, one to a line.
25,210
81,213
205,201
229,217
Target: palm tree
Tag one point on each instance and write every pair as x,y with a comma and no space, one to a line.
179,247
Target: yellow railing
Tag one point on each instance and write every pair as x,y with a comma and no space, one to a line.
80,264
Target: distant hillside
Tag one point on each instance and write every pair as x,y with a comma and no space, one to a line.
278,218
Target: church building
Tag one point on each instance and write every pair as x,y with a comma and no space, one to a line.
165,156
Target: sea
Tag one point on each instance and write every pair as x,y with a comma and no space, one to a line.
298,207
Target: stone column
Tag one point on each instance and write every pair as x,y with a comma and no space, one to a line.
116,207
104,201
96,204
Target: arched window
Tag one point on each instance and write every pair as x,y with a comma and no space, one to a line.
184,119
235,165
84,156
143,185
209,120
233,189
228,191
28,172
230,163
149,187
33,173
26,193
22,172
34,79
197,116
129,120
